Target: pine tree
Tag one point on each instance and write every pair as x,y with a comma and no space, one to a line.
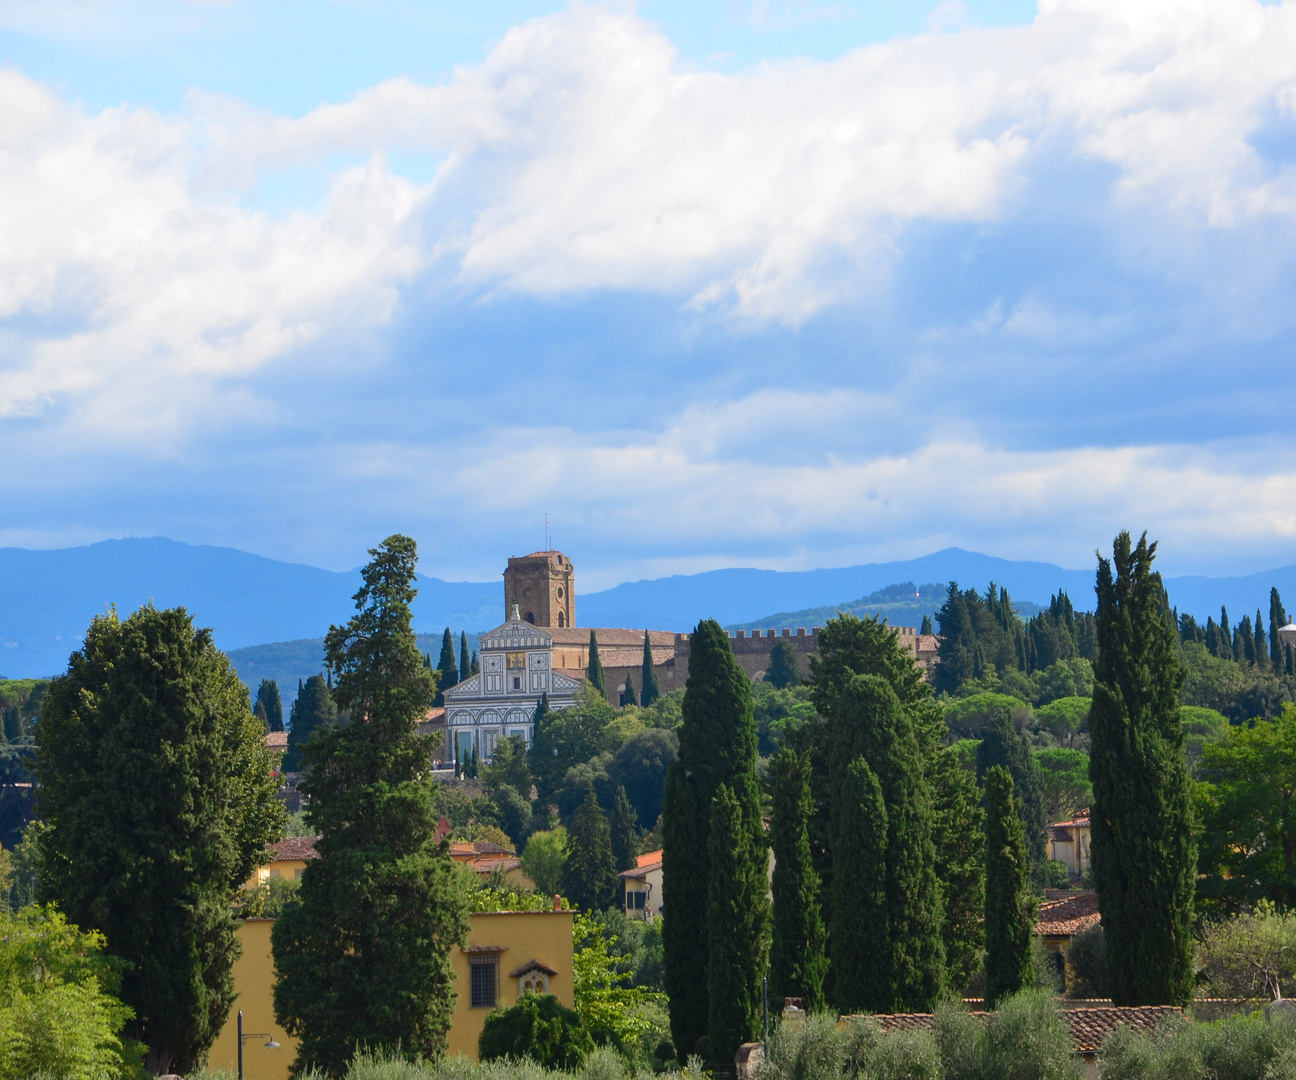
717,746
449,670
1002,744
629,691
270,701
465,664
1009,904
594,669
1277,619
1143,853
625,838
798,960
736,927
862,961
648,677
363,955
589,875
784,668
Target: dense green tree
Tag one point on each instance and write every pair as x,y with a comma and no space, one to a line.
784,665
1261,645
465,664
447,667
1244,642
1065,776
737,942
1143,851
717,747
476,664
1277,618
589,875
1002,744
313,711
862,952
927,627
544,858
1009,903
539,1027
640,765
629,692
268,698
960,865
594,667
149,715
258,710
625,839
798,959
867,720
564,739
648,676
364,956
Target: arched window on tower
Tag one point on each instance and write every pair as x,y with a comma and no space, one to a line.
530,617
562,619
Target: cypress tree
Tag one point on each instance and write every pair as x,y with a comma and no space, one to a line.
1009,904
1226,651
1261,646
363,955
313,711
784,667
446,666
648,677
1277,618
629,691
798,960
1143,852
259,712
589,875
1002,744
465,664
868,721
476,665
1244,642
926,627
268,698
594,668
736,927
862,960
625,838
960,866
717,746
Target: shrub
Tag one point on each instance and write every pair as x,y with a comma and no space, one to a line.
1087,964
1236,1048
537,1026
1026,1038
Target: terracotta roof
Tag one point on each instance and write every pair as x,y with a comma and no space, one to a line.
651,857
571,672
434,715
646,864
609,636
1080,821
1065,918
1058,834
489,866
1089,1026
531,965
277,740
293,847
479,847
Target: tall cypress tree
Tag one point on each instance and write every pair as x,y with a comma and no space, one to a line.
594,668
862,955
268,698
1143,853
465,664
629,691
717,746
1225,637
1002,744
447,668
363,955
648,677
313,711
589,874
1009,904
625,838
476,664
798,961
1277,618
1261,645
736,927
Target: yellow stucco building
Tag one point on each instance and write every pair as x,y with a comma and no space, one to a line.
507,953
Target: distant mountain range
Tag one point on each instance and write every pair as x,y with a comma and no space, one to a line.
47,598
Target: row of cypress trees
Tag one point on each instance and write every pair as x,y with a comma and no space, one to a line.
596,677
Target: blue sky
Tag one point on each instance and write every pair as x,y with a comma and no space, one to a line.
779,284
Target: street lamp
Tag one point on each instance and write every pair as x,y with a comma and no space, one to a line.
242,1038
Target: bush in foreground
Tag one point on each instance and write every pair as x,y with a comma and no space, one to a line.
1236,1048
539,1027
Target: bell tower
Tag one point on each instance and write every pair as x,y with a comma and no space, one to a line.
542,585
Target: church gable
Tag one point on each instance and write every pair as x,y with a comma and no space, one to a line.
470,687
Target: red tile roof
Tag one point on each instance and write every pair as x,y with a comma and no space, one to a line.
277,740
1068,917
292,848
650,857
489,866
646,864
1080,821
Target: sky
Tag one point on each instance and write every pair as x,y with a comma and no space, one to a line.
782,284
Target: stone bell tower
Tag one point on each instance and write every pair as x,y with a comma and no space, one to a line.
542,585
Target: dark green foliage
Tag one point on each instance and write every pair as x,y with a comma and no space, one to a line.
1277,619
363,958
568,738
1143,852
258,710
737,914
148,714
447,667
625,840
1002,744
268,698
639,766
465,664
1260,645
648,677
629,693
960,865
867,720
1086,961
717,747
313,711
1009,904
589,875
476,664
862,953
594,667
539,1027
508,766
1244,643
798,961
784,665
927,627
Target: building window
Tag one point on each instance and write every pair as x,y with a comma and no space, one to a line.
517,682
562,620
635,900
485,981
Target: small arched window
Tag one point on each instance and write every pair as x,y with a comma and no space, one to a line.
562,619
530,617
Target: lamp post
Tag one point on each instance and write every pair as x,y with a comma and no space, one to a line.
242,1038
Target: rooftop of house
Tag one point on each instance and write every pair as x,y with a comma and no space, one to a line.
293,848
1069,916
1080,821
277,740
643,864
479,847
